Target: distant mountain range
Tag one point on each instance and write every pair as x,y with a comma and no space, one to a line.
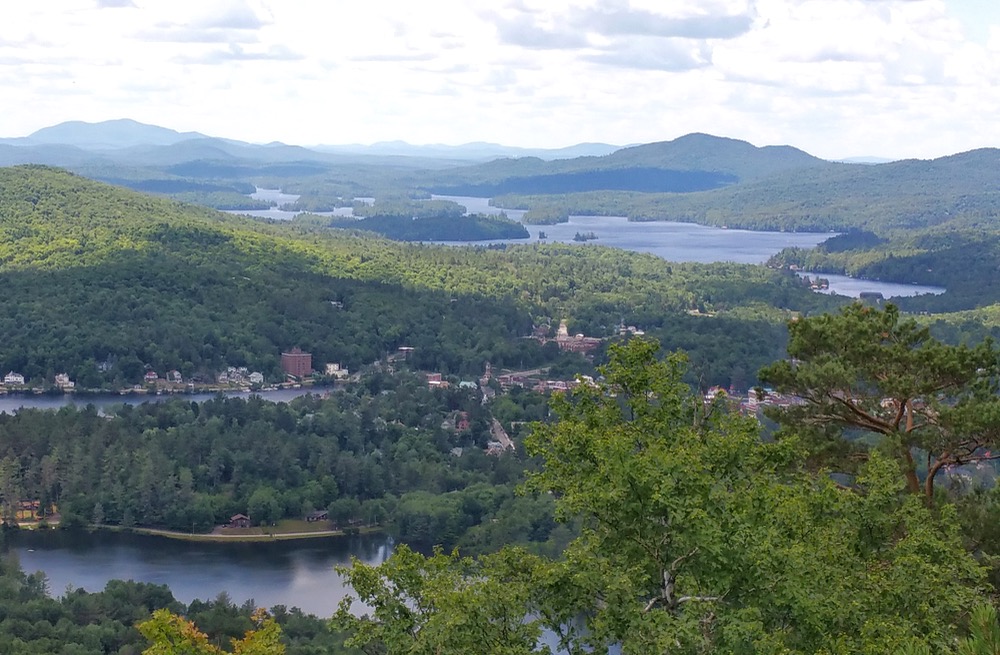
127,134
106,135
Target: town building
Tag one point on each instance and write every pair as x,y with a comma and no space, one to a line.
335,370
297,363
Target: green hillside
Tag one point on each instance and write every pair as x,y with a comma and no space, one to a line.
696,162
883,198
96,274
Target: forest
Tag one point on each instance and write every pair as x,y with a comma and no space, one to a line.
379,453
858,518
685,528
475,227
98,275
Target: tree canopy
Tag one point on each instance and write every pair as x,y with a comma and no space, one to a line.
697,536
872,371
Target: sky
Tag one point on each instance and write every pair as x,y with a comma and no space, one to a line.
837,78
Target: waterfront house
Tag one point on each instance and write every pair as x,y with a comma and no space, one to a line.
239,521
13,378
318,515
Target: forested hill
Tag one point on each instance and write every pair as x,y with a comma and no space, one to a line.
695,162
94,274
882,198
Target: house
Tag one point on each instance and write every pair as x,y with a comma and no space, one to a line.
318,515
256,377
63,381
175,376
335,370
239,521
462,421
150,376
13,378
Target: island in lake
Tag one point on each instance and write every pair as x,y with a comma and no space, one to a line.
474,227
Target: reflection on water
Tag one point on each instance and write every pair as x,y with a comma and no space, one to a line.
13,402
291,573
843,285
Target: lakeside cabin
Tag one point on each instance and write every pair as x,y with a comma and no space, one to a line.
239,521
318,515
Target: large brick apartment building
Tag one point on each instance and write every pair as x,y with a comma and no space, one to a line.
297,363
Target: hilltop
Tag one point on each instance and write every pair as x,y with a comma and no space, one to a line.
695,162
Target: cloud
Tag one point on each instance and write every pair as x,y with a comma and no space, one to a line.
659,54
233,21
236,53
113,4
388,57
234,16
620,19
523,31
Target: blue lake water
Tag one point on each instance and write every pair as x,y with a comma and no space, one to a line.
673,241
12,402
295,574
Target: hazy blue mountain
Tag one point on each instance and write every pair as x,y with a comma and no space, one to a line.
696,162
106,135
477,151
866,160
704,152
50,155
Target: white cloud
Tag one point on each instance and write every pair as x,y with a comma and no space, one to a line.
836,77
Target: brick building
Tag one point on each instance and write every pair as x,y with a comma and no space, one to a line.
297,363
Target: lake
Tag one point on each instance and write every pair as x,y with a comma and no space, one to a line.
673,241
842,285
294,574
291,573
12,402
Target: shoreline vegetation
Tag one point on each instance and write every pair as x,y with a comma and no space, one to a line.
287,530
163,390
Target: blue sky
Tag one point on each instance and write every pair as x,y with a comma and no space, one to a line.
838,78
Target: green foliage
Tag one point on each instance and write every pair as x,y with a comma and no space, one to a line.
442,604
699,536
370,455
82,623
95,274
477,227
870,370
170,634
696,537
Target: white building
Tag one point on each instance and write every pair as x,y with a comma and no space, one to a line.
337,371
13,378
63,381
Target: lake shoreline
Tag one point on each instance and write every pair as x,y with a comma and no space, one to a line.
208,537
